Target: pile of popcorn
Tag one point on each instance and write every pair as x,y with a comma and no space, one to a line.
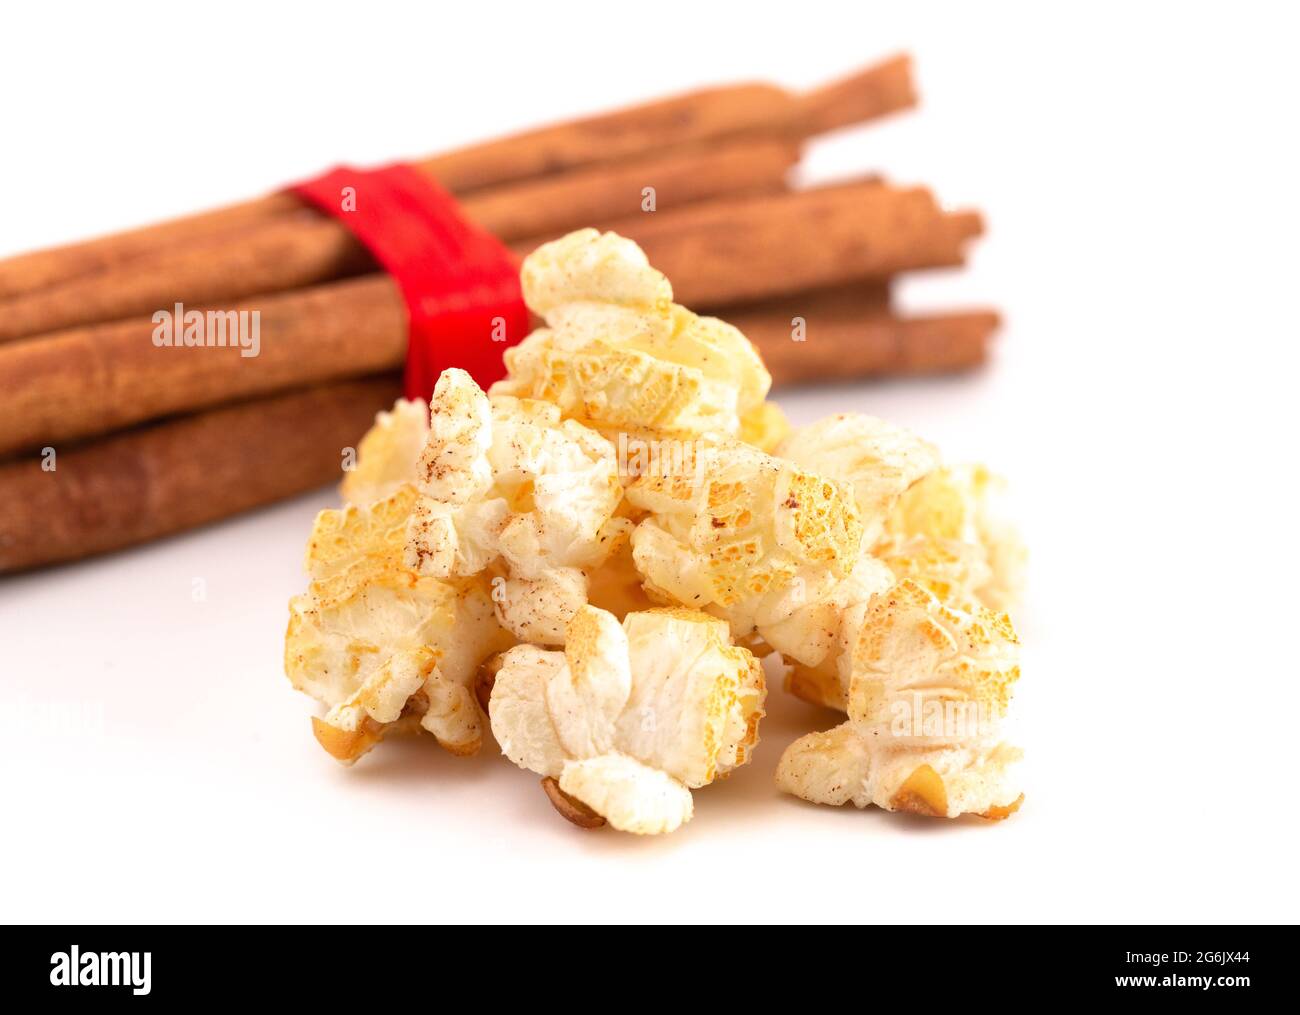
592,558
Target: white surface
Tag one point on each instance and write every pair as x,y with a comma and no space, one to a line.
1138,170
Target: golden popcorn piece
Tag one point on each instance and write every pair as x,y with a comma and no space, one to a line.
743,534
380,646
949,568
506,483
929,686
618,355
387,454
911,644
879,459
630,717
956,506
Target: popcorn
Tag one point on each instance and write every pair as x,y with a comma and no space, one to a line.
595,555
387,454
962,505
879,459
765,426
588,266
934,525
507,481
539,609
929,686
629,718
619,355
817,639
949,568
381,646
747,535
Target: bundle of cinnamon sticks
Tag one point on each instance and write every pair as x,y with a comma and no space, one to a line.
109,440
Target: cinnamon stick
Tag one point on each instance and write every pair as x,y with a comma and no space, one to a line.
828,336
292,251
683,121
857,98
33,271
756,248
862,298
668,125
172,476
555,204
86,381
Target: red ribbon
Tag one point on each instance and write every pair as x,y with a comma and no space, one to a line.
460,283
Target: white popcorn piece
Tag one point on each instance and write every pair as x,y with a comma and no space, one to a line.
618,355
743,534
816,641
954,507
507,482
588,266
387,454
538,610
380,646
630,717
879,459
929,686
631,796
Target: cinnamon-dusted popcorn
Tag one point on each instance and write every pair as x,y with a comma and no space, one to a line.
816,641
962,505
588,266
629,718
381,646
629,494
619,355
880,460
507,481
539,609
386,455
744,534
950,568
925,522
929,686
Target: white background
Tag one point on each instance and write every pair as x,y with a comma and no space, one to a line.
1139,173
